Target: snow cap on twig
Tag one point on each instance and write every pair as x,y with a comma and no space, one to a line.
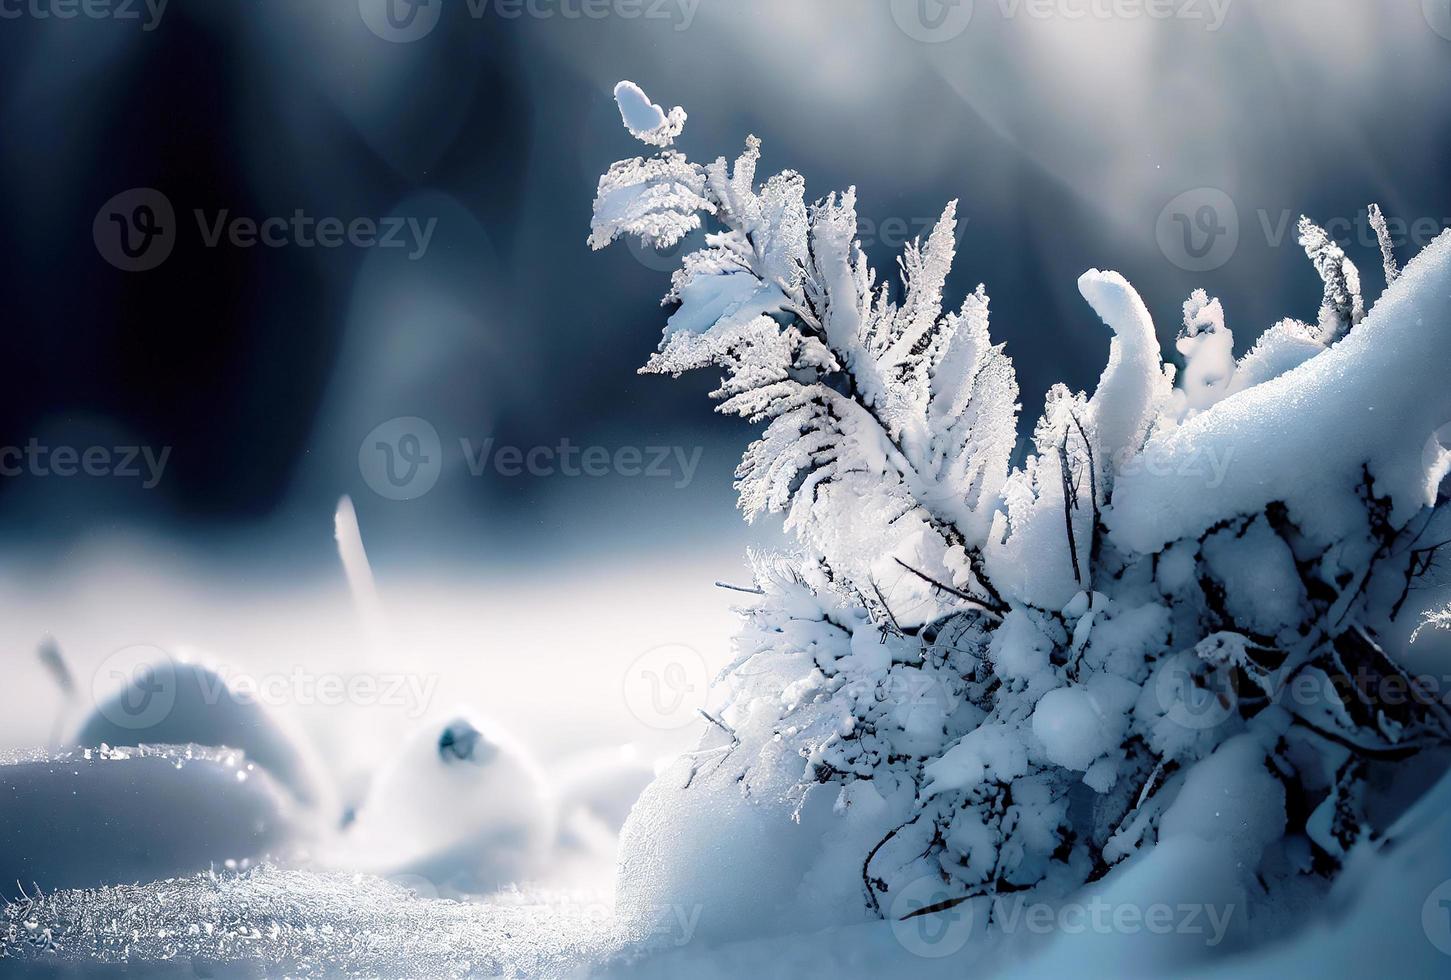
645,120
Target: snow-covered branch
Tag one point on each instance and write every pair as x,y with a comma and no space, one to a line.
1184,588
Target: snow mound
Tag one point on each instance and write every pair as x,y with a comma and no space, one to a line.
604,783
204,710
739,857
462,805
134,814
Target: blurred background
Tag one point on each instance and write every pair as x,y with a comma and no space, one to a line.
234,385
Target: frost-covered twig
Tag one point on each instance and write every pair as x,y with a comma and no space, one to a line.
740,588
1439,619
1387,248
1343,307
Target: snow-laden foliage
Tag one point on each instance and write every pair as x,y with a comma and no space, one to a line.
1004,679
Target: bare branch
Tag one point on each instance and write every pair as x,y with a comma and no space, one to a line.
983,601
1092,485
1070,503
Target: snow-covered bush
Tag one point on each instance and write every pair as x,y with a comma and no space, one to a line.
1001,678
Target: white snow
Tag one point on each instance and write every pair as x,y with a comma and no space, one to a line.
645,120
1076,726
1132,389
993,752
117,815
956,705
462,805
917,704
351,925
1368,404
1207,346
1256,569
1230,799
169,701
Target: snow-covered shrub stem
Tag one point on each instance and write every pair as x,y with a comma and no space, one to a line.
1014,678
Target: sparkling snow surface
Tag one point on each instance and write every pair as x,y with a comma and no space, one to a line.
294,922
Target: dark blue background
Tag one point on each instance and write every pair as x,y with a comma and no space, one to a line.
263,369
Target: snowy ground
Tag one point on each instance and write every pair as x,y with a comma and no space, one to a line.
76,819
278,919
293,922
272,921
